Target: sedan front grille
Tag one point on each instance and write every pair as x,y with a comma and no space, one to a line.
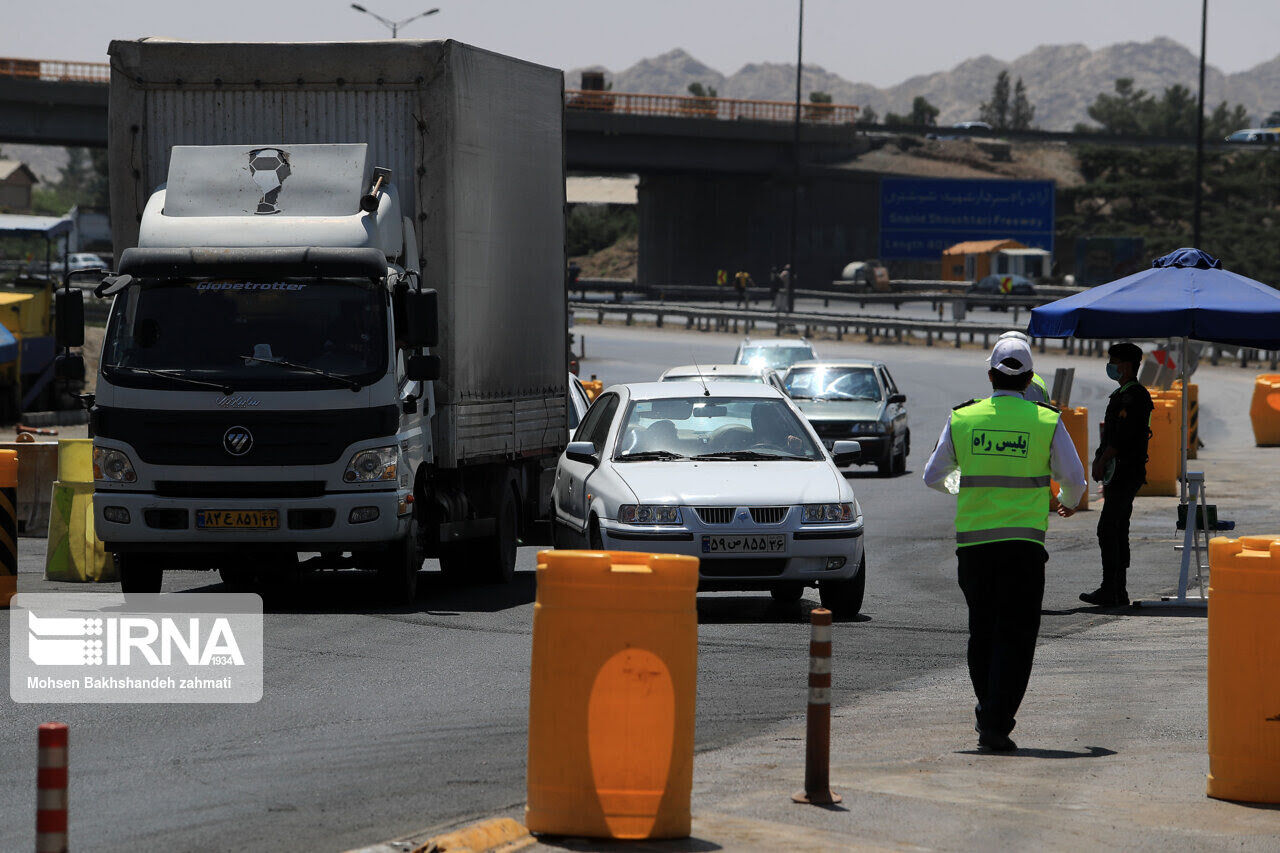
768,514
715,514
832,429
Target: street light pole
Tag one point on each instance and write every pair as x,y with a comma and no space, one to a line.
1198,192
394,26
795,174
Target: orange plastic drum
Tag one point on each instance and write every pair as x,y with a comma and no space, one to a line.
1163,455
1076,421
1244,669
611,695
1264,411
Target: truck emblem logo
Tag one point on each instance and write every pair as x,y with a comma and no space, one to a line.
237,441
269,167
237,402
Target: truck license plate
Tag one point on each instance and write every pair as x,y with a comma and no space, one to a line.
771,544
237,519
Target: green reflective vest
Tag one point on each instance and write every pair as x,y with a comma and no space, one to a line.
1002,445
1037,391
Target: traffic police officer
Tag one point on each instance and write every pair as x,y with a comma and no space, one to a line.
1004,449
1037,391
1121,466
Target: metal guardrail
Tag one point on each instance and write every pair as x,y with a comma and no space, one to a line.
689,106
56,70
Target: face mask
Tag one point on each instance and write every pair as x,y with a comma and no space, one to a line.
1113,371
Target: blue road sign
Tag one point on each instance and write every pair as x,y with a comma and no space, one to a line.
920,217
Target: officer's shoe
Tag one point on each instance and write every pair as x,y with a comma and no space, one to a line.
1105,598
996,742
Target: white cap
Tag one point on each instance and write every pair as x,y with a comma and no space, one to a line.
1010,356
1021,336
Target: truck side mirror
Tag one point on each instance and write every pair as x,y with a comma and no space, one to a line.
416,317
422,368
68,318
69,368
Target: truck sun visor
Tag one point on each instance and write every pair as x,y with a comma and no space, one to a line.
254,262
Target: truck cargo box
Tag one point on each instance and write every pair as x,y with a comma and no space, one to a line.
475,144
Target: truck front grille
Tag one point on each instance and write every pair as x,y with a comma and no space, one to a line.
230,489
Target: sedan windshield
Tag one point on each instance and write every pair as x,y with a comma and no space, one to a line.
295,334
832,383
779,358
715,429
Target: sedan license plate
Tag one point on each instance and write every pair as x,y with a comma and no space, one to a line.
771,544
237,519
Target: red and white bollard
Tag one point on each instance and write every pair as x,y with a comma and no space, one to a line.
817,747
51,789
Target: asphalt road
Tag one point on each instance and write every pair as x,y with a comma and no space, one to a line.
377,722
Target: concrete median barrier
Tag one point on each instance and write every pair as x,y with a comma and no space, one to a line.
1244,656
1264,411
74,552
37,469
612,693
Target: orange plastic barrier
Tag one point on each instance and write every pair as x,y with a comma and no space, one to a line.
1244,659
1164,458
611,695
1264,411
1174,394
1076,420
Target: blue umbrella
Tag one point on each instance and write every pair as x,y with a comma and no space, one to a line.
1185,294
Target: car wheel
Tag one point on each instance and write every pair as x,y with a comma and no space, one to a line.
844,598
900,461
594,536
139,573
885,465
787,593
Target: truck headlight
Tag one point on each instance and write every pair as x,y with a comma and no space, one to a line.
828,513
648,514
372,466
112,466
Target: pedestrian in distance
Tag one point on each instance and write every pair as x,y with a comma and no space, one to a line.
997,455
784,286
1121,466
742,285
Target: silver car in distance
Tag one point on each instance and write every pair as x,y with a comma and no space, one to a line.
730,473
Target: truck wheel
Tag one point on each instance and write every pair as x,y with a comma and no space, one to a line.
138,573
844,598
238,579
496,561
398,575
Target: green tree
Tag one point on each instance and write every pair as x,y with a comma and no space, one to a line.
867,115
1022,113
1273,120
995,112
923,112
819,98
700,91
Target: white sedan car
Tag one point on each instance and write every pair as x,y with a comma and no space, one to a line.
724,373
731,474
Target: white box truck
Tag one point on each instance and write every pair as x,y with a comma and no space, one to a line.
339,310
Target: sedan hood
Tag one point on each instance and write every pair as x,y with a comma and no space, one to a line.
840,410
746,483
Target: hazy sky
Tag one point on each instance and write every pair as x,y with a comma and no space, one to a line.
875,42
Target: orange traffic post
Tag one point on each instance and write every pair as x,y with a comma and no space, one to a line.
817,741
8,526
1164,457
1244,656
1264,411
1076,422
51,788
611,695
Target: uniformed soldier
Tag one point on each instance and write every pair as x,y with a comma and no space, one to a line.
1121,466
1004,449
1037,391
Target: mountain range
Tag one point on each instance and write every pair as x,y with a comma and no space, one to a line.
1061,81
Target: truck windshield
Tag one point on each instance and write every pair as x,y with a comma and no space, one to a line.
248,335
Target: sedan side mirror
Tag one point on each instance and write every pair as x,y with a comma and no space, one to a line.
897,398
847,452
582,451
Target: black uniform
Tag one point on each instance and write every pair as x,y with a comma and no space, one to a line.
1126,428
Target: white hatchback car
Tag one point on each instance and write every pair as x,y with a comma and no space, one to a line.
731,474
775,353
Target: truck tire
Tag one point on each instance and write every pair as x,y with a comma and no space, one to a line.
238,578
844,598
496,557
139,573
398,575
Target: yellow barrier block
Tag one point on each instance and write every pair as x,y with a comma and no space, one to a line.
611,695
1164,458
1244,657
8,526
75,460
1076,420
75,553
1264,411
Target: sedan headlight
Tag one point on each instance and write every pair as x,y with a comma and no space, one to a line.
864,427
112,466
648,514
828,513
372,466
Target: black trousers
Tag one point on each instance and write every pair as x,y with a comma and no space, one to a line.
1003,583
1113,534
